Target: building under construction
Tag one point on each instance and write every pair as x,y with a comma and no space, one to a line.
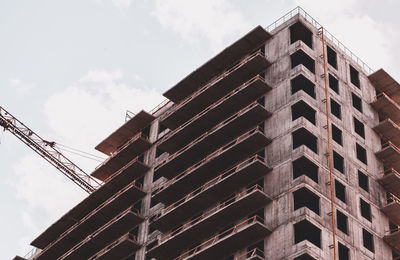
282,146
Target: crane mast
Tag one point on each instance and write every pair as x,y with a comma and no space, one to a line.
48,152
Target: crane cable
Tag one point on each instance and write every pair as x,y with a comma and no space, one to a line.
321,33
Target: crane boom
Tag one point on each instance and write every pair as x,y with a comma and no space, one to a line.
48,151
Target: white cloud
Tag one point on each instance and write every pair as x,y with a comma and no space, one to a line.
366,37
20,87
212,20
81,116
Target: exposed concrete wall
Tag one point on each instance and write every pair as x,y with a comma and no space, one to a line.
279,184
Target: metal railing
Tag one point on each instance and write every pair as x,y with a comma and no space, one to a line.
110,246
207,158
231,171
300,11
252,253
213,105
205,134
213,81
101,229
34,251
209,212
217,238
94,212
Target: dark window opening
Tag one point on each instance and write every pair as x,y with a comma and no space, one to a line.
334,83
138,206
365,209
305,198
259,213
393,227
151,245
141,158
300,57
343,252
363,181
139,181
368,241
305,257
332,57
261,101
302,83
336,134
161,128
336,109
302,109
341,221
361,153
357,103
304,230
359,127
303,166
340,191
304,137
300,32
261,153
146,131
338,162
156,177
159,152
354,77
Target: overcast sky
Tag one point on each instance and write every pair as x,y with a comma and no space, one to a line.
69,69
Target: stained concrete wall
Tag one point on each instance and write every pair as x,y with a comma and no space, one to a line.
279,184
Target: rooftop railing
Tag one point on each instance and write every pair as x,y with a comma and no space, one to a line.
300,11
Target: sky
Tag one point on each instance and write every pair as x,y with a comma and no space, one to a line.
69,69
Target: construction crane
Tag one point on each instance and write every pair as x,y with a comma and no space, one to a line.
48,151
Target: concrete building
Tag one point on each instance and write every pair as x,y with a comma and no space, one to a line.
235,164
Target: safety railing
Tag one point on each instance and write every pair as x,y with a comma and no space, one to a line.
392,198
160,106
300,11
205,134
213,105
89,237
116,242
389,171
217,238
207,158
250,254
32,253
219,206
137,136
212,82
95,211
131,140
389,143
226,174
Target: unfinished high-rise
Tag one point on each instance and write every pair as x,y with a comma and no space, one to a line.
236,164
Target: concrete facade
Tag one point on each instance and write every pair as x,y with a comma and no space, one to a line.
288,203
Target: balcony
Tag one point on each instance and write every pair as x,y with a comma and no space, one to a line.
391,181
392,209
217,65
211,192
248,68
390,156
386,108
255,254
210,141
392,238
230,104
96,219
119,249
230,241
113,184
225,213
94,243
230,154
123,134
389,130
128,152
383,82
